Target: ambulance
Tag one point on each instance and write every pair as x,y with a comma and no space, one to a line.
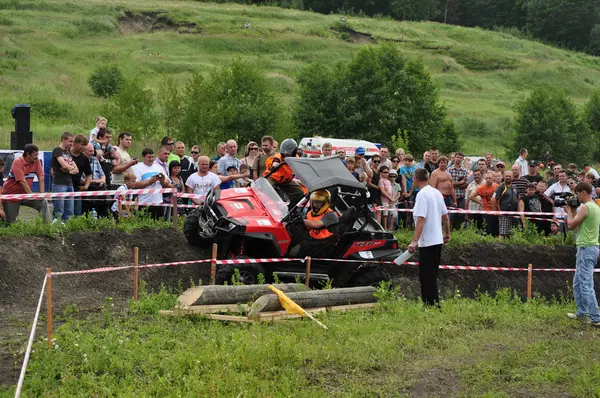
312,146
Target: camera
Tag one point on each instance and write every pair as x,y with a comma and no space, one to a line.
160,175
566,199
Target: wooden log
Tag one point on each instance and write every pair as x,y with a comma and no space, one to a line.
216,317
212,295
316,298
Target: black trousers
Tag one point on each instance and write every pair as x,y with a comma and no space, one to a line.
429,266
492,225
477,220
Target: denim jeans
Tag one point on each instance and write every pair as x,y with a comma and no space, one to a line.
63,207
583,283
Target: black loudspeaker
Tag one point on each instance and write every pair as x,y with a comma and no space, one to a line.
18,139
21,113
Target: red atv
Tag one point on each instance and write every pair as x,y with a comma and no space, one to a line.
255,223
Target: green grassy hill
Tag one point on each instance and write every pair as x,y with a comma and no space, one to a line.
48,49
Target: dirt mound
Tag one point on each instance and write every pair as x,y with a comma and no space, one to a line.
152,21
547,284
24,265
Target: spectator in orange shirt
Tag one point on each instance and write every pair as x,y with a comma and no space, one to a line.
20,181
483,196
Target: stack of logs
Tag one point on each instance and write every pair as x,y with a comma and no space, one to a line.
256,303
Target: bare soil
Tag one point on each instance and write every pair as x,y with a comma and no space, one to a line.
24,262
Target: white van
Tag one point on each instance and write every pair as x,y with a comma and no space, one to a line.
312,146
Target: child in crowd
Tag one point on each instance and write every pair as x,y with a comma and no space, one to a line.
351,166
363,179
396,194
409,190
231,170
554,229
106,153
118,208
244,181
386,190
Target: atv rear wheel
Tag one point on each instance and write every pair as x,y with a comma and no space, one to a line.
370,275
248,273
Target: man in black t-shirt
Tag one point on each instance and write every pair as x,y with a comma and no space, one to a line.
532,174
531,202
547,206
83,165
63,168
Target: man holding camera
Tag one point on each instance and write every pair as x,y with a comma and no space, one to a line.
587,222
150,175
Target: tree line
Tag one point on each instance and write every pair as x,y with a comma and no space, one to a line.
573,24
380,96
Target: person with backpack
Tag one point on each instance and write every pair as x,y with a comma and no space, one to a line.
506,198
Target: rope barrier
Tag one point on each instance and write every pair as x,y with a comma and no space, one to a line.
30,341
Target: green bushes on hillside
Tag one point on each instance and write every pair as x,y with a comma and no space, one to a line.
106,81
377,94
548,120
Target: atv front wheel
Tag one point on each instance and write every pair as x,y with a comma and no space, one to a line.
248,273
191,229
370,275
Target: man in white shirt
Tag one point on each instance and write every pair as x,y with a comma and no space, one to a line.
430,215
522,161
203,181
555,190
125,161
150,175
229,159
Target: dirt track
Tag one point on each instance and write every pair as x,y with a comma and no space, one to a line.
24,261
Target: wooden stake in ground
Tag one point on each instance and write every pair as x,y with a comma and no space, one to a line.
49,304
529,280
136,263
291,307
307,277
175,214
213,264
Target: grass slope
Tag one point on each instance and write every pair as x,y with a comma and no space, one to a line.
49,47
492,347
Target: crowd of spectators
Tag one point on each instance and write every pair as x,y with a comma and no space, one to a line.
92,163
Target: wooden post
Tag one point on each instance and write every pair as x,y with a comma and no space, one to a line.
49,304
120,208
307,277
529,280
136,263
174,214
213,265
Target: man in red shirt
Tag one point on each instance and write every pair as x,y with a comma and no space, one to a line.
20,180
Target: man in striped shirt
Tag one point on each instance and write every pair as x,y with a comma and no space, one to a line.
459,180
519,182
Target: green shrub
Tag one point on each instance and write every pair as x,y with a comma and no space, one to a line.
471,127
51,109
106,81
132,110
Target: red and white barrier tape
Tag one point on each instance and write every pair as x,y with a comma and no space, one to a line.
280,260
133,203
110,269
259,260
490,213
50,195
